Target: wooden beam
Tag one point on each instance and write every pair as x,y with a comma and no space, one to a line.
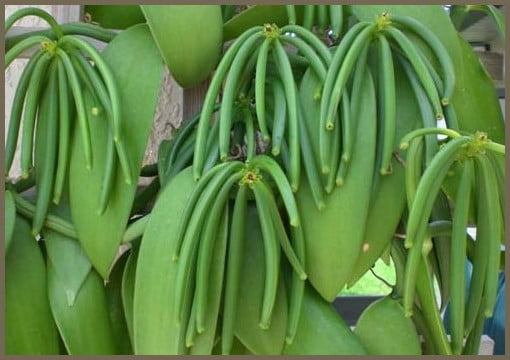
193,99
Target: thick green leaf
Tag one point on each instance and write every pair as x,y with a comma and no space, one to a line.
115,307
389,199
475,98
138,77
70,263
115,16
128,289
10,218
237,348
379,324
84,325
155,328
154,319
498,163
29,326
189,38
334,235
164,149
256,340
322,331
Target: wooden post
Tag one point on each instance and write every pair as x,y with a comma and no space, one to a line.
193,99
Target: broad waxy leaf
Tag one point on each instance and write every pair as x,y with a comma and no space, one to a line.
237,348
155,330
70,263
138,78
115,16
128,288
334,235
29,326
115,308
83,323
322,331
378,324
189,38
388,200
475,98
154,324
